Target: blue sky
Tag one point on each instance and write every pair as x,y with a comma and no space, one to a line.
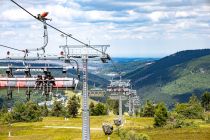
133,28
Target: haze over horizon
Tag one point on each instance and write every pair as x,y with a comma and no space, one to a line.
147,28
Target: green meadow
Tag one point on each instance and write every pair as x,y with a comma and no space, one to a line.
53,128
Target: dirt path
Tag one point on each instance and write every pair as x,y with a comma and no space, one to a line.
72,127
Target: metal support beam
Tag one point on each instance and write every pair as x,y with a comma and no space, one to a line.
129,109
85,107
133,110
120,109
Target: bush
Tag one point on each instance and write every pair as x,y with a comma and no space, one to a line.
7,118
29,112
4,109
190,110
161,115
208,119
98,109
132,135
122,133
21,112
176,120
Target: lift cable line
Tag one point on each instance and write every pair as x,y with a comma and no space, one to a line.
69,35
117,69
12,48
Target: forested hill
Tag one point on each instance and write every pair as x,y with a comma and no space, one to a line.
175,77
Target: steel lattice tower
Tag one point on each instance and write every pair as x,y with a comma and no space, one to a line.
85,53
85,107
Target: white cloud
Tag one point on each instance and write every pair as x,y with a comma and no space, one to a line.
184,14
204,8
15,15
61,1
158,15
7,34
136,4
60,12
183,25
99,15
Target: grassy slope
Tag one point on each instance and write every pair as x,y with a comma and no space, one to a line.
37,131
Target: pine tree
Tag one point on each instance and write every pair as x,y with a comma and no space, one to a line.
193,100
32,112
91,107
205,101
149,109
73,106
18,111
4,109
57,109
45,110
161,115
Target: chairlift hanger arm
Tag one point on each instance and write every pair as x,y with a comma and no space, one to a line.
45,40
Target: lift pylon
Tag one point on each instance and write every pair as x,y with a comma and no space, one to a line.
85,53
119,90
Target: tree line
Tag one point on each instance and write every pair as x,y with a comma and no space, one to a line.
176,118
31,111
